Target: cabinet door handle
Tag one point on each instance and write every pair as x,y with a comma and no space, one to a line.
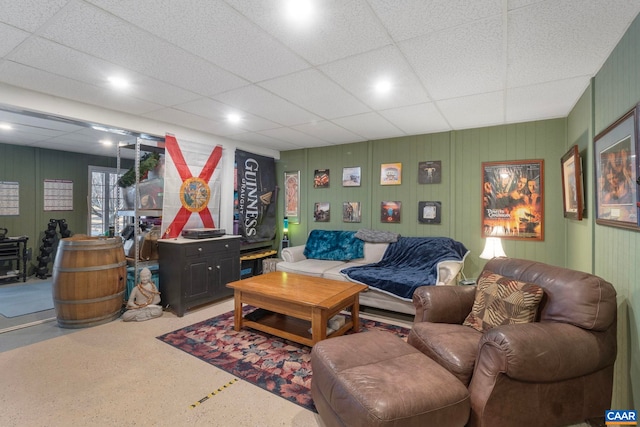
210,268
226,246
218,267
199,249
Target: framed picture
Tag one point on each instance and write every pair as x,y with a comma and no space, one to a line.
572,195
351,177
292,196
321,212
390,211
513,199
351,212
429,212
430,172
391,174
321,178
615,173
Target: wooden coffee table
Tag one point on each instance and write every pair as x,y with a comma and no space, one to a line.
295,303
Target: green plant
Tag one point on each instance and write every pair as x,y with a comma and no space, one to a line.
148,162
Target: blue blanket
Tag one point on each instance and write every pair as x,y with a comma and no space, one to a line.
409,263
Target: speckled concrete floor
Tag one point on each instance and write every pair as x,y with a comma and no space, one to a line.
119,374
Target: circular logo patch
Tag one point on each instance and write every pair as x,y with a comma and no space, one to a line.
195,194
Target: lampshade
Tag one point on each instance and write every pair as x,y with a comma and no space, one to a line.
492,248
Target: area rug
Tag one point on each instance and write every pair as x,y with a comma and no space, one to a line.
18,300
274,364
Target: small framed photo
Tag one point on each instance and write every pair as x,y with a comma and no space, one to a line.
390,211
615,172
351,212
391,174
321,212
429,212
292,196
321,178
351,177
430,172
572,196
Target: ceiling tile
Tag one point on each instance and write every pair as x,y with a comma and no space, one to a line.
336,29
417,119
11,37
37,80
474,111
260,140
412,18
369,125
545,100
316,93
294,137
104,36
359,74
464,61
258,101
218,111
543,45
29,15
329,132
238,44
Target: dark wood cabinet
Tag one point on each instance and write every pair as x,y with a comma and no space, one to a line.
195,272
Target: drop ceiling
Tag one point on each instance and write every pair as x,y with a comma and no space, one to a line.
451,64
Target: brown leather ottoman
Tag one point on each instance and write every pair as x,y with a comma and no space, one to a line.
376,379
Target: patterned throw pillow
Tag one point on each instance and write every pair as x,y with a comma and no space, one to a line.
503,301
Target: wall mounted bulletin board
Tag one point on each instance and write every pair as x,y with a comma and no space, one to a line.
616,165
513,199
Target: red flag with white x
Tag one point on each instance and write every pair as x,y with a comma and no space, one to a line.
191,186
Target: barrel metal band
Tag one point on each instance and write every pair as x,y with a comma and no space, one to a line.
89,301
94,268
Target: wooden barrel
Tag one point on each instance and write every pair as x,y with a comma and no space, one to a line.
89,280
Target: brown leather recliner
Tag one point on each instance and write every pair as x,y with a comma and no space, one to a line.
553,372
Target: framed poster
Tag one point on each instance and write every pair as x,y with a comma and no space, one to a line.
572,196
429,212
430,172
391,174
321,212
351,212
292,196
390,211
351,177
513,199
615,173
321,178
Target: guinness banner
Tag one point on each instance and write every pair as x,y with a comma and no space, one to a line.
257,195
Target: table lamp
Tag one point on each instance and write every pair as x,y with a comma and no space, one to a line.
492,248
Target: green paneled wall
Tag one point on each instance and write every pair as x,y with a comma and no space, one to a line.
461,154
616,90
30,167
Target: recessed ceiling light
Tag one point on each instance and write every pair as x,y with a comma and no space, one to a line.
299,11
383,86
119,82
5,126
233,118
106,142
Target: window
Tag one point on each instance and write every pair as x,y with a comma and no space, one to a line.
104,201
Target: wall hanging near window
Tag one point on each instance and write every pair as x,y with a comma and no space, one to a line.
351,177
351,212
572,195
429,212
616,164
513,199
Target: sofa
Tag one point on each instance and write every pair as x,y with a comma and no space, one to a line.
329,253
533,345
